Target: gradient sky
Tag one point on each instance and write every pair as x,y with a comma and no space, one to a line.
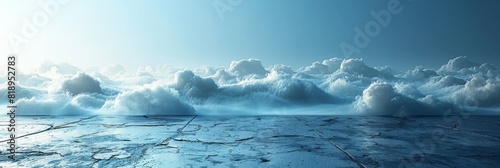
293,32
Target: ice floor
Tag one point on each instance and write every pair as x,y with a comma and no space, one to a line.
253,141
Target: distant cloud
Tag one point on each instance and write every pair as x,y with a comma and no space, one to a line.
324,67
381,99
457,64
152,100
479,92
358,67
60,68
247,87
190,85
247,67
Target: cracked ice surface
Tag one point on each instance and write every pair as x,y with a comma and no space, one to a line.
253,141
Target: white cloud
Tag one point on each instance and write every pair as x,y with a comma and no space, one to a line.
152,100
113,70
247,67
379,99
92,101
246,87
53,105
333,64
383,99
457,64
59,68
325,67
358,67
304,92
445,81
479,92
316,68
282,69
22,92
344,88
81,83
192,85
420,73
223,77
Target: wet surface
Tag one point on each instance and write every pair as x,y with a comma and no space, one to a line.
254,141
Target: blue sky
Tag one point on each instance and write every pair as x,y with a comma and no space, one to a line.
296,33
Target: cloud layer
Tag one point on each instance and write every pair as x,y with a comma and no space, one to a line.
333,86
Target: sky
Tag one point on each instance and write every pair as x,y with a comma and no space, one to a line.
297,33
391,57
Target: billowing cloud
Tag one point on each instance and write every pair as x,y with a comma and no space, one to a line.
92,101
223,77
479,92
188,84
383,99
115,69
343,87
283,88
152,100
461,66
316,68
325,67
53,105
22,92
445,81
457,64
59,68
332,86
282,69
247,67
81,83
303,92
421,73
358,67
380,99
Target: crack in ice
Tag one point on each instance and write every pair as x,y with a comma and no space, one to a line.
52,127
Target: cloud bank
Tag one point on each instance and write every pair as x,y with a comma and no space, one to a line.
332,86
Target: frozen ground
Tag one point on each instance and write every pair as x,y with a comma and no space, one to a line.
254,141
